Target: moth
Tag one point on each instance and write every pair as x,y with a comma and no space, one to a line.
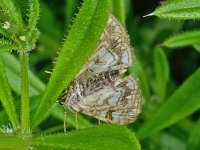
100,90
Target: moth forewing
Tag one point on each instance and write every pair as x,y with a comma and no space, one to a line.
113,51
118,103
99,90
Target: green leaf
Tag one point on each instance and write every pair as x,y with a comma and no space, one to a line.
193,141
118,9
81,41
179,9
184,102
48,24
197,47
170,141
142,75
71,6
36,87
184,39
12,67
161,72
12,141
6,46
4,119
12,12
33,14
6,97
23,6
3,31
104,137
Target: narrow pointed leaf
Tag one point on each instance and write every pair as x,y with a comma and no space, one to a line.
179,9
161,72
12,67
6,46
118,9
105,137
11,11
6,97
142,75
37,87
3,31
33,14
193,141
71,6
12,141
184,102
197,47
81,41
184,39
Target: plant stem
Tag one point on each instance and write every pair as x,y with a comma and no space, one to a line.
25,118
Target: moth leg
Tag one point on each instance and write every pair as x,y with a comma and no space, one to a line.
99,121
76,119
65,115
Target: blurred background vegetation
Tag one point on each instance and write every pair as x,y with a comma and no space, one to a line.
146,35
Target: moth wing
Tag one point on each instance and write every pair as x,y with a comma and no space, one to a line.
118,105
113,51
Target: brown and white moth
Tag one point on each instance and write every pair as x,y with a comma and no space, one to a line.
99,90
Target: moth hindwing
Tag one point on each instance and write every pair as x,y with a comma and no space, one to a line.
99,90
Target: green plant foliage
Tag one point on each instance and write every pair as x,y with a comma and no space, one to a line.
161,72
33,14
118,9
6,46
197,47
6,97
184,39
4,31
96,138
93,15
179,9
31,39
71,6
10,141
138,70
181,104
12,67
193,142
10,10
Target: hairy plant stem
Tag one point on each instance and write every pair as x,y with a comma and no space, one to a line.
25,110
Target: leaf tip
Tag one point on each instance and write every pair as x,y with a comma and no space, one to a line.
151,14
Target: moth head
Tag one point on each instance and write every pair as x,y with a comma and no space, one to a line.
60,102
